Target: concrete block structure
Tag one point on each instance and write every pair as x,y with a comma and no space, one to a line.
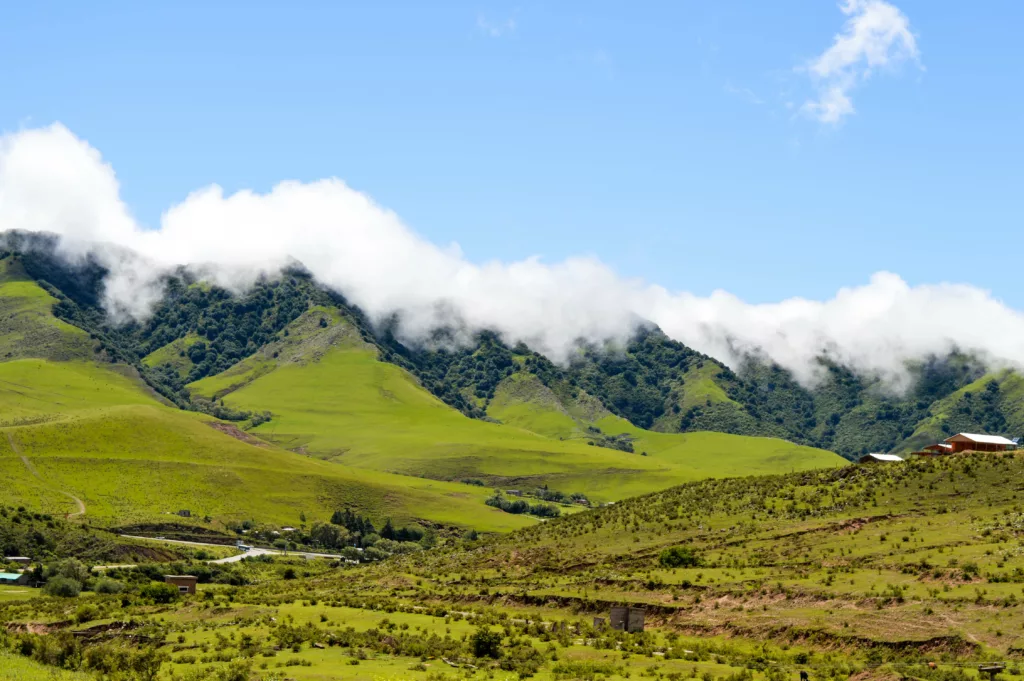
186,583
627,618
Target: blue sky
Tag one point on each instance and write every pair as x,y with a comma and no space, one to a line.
664,138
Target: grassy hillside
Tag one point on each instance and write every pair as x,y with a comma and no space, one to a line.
81,429
898,562
363,433
174,355
27,326
331,397
908,571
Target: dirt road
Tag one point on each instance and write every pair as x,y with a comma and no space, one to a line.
254,551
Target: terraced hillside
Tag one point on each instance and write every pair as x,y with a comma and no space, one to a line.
904,562
911,570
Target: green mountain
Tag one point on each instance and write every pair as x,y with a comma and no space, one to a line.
283,403
652,382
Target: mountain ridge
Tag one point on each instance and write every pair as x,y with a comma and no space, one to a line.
280,403
652,382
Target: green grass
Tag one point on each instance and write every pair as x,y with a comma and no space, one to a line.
350,408
523,401
96,434
13,592
34,390
15,668
27,327
304,341
175,354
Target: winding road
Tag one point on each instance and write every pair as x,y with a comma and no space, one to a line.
32,469
254,551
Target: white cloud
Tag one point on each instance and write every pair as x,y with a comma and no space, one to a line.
495,29
52,181
876,35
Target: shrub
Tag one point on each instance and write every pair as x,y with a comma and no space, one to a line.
105,585
679,556
160,592
62,587
86,612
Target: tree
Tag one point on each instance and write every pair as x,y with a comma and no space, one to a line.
679,556
486,643
69,568
62,587
328,535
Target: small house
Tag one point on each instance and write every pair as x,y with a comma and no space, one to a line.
14,577
972,442
19,560
879,458
186,583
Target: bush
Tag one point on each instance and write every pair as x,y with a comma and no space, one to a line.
62,587
105,585
679,556
160,592
86,612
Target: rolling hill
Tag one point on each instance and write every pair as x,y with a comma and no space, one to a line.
319,422
331,397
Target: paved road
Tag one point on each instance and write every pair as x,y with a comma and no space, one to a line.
254,551
33,471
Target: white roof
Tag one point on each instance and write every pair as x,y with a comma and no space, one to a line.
884,457
986,439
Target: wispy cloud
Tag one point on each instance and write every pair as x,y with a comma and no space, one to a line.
743,93
599,60
876,35
495,28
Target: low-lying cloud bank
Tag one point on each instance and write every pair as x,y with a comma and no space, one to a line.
52,181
